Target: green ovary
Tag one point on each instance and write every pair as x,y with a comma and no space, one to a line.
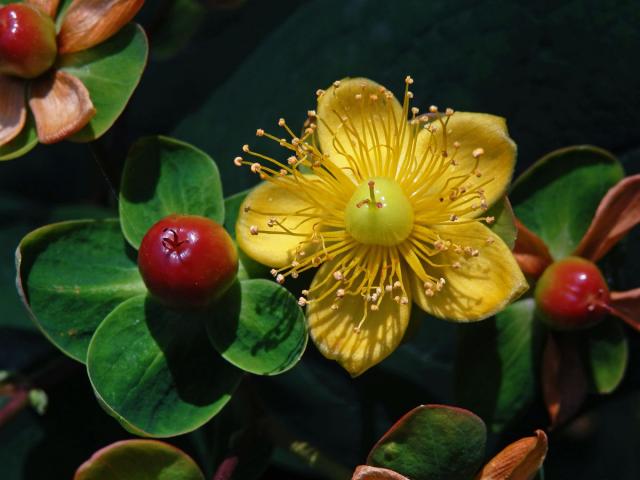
379,213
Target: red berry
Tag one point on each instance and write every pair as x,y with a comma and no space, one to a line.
27,41
187,260
572,294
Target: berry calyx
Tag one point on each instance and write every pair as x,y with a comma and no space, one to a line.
572,294
187,261
28,45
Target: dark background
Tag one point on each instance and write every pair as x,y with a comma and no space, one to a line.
562,73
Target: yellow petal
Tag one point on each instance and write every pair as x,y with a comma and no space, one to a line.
333,331
90,22
359,125
13,112
481,286
474,131
272,246
60,104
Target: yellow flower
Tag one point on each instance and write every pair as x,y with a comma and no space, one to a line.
390,210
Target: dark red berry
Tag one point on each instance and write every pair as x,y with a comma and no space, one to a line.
572,294
187,261
27,41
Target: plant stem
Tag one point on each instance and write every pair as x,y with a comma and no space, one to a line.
309,454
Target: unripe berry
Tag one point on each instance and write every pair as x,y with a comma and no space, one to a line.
572,294
187,261
27,41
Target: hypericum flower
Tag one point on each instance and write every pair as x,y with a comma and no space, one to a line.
565,293
60,102
391,211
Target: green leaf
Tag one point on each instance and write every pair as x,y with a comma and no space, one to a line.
557,197
259,327
23,143
164,176
232,210
433,442
495,372
139,459
607,352
111,71
504,225
155,371
71,275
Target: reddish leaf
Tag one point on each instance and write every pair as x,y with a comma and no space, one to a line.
366,472
564,381
90,22
626,305
531,252
618,212
61,106
13,112
519,461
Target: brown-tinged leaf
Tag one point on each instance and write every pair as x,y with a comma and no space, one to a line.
564,381
50,7
531,252
618,212
366,472
61,106
90,22
13,112
626,305
519,461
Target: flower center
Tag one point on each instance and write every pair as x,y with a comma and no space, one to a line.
379,213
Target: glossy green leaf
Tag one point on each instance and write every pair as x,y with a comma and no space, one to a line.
607,352
557,197
71,275
139,459
504,225
23,143
495,372
155,370
433,442
164,176
111,72
259,327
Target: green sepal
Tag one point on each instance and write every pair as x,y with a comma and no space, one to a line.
154,369
259,327
164,176
557,197
71,275
111,72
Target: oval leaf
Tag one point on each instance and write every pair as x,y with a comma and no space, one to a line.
557,197
164,176
71,275
139,459
259,327
495,370
433,442
607,352
111,72
154,369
